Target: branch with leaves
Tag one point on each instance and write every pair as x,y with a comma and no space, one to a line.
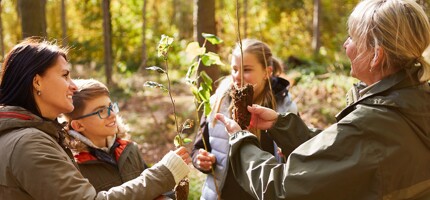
201,93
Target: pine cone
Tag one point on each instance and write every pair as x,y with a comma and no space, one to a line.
242,98
182,189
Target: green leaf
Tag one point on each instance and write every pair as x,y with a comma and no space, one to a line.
204,92
193,50
152,84
164,45
207,108
157,69
177,141
187,140
191,71
211,58
206,79
196,93
212,38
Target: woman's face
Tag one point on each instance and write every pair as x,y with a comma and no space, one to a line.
56,90
360,68
253,72
95,128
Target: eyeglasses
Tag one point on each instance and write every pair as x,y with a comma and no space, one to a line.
104,112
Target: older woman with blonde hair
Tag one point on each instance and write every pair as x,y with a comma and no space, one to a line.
379,148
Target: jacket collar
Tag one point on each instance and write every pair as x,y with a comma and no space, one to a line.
401,79
15,117
86,141
280,87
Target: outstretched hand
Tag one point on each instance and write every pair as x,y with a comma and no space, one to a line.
261,117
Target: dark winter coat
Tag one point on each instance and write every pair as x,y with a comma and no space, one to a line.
378,149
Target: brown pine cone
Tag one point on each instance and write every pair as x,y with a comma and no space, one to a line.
182,189
242,98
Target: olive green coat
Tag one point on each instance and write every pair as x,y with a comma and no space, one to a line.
378,149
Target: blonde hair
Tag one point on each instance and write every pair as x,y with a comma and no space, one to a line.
89,89
262,52
400,27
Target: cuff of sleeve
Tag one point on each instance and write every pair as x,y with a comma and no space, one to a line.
239,135
279,121
176,165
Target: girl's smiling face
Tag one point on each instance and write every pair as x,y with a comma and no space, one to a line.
253,72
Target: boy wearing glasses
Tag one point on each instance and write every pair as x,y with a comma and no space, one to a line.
103,153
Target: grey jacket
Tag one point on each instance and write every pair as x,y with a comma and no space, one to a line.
378,149
35,166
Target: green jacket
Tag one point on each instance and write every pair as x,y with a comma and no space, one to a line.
378,149
35,166
126,163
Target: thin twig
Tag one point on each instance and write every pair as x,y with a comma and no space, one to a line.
240,43
171,99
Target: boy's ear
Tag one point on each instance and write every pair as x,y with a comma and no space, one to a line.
77,126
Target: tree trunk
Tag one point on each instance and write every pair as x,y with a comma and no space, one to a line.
316,43
144,56
63,23
204,22
33,17
182,19
107,35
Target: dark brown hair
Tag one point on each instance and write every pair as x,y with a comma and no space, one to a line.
27,59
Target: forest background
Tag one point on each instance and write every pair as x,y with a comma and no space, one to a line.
115,40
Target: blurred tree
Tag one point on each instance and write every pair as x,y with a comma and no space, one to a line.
63,23
204,22
144,55
33,17
426,5
245,18
107,35
316,43
183,18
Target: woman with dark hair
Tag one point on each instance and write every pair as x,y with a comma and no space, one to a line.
35,89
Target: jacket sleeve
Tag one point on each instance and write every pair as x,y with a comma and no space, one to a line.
331,165
44,171
290,131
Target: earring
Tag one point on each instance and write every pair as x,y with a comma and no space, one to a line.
38,92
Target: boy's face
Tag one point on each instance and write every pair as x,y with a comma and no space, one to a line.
94,128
